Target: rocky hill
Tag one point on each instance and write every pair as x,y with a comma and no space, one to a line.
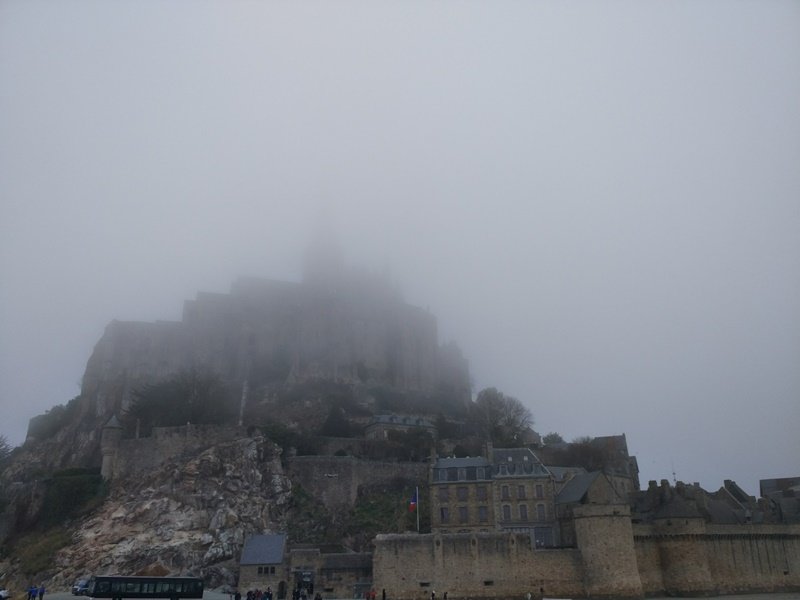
208,413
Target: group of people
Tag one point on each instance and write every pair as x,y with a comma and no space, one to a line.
256,594
35,592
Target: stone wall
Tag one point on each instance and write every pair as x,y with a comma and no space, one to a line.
147,454
604,536
689,556
335,480
477,565
613,559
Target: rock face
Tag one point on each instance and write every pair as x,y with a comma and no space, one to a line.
189,514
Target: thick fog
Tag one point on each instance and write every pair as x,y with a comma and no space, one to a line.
599,201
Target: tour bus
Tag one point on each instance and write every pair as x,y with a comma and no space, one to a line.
117,587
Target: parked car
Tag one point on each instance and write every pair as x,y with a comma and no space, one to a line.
4,594
80,587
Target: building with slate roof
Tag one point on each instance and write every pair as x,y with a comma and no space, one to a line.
269,562
263,563
510,490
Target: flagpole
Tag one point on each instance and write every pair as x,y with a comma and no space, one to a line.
417,495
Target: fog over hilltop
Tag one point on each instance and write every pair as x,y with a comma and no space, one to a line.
600,203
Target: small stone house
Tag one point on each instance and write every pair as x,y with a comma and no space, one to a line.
263,564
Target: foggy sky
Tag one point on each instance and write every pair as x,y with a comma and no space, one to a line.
599,201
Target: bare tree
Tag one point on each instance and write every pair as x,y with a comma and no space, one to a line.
502,418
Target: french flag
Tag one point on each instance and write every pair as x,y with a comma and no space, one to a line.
412,504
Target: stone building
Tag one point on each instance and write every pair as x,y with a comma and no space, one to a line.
339,324
461,495
263,564
268,561
585,488
509,490
524,494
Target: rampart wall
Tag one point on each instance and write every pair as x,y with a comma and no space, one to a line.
167,443
613,559
686,557
478,565
335,480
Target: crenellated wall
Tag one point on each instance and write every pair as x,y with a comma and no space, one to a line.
691,557
613,559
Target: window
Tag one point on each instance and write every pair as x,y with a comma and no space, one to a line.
505,495
444,494
523,512
462,492
506,512
543,536
272,570
462,474
479,473
483,514
521,492
463,514
260,570
539,490
444,515
480,492
540,512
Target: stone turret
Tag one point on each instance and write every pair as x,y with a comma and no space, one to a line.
604,536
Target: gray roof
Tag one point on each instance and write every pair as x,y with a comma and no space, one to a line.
561,472
517,462
469,461
264,549
576,488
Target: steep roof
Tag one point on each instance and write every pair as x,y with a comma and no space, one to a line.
561,473
576,488
517,461
264,549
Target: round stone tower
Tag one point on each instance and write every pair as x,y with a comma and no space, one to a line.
604,536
